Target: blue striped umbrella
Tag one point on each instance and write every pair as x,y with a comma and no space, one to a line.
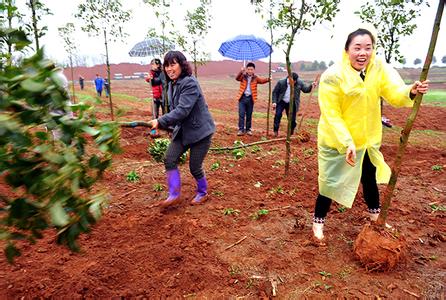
245,47
151,47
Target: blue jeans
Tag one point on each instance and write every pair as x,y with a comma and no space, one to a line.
245,107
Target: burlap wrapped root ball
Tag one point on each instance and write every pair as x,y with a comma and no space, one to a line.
378,248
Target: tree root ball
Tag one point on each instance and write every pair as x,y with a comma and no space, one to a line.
304,136
379,248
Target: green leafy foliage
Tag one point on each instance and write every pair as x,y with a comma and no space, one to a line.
437,168
215,166
256,148
158,149
197,26
132,176
392,20
38,10
435,207
277,190
260,213
218,193
100,16
238,153
158,187
231,211
50,179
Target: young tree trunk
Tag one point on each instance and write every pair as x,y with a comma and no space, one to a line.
34,22
291,105
195,60
10,16
410,120
72,79
108,76
268,112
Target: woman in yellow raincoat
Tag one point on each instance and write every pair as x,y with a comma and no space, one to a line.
350,130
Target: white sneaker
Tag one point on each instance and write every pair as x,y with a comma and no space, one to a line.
318,230
374,218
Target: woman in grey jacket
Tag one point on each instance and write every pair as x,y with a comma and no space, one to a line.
193,127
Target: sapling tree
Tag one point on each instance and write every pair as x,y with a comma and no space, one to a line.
393,20
38,10
10,38
165,32
197,26
411,119
263,10
47,181
104,17
290,18
67,34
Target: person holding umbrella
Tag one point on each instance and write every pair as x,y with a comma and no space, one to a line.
350,129
156,78
246,96
193,127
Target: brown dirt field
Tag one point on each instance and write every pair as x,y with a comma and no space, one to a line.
139,251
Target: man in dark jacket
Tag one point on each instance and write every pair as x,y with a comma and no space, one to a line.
281,100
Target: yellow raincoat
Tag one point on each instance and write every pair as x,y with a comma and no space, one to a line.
351,114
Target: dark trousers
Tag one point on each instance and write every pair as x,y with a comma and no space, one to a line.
198,152
369,188
245,108
157,104
282,105
99,92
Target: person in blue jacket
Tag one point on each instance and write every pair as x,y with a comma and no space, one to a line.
193,127
99,84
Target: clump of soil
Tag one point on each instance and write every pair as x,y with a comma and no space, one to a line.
378,248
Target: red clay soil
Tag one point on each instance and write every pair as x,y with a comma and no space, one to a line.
140,251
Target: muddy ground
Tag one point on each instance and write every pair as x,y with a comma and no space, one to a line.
140,251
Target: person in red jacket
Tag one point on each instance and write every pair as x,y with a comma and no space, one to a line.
246,96
156,78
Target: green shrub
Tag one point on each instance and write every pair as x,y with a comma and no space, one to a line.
158,149
132,176
49,159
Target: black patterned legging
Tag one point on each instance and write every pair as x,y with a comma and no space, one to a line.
198,152
369,187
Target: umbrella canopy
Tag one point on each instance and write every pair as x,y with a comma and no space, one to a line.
151,47
245,47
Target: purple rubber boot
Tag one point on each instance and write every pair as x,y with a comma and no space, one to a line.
174,184
202,192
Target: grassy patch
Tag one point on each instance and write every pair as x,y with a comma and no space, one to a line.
435,98
425,137
128,97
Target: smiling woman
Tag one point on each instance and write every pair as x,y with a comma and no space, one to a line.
350,130
193,127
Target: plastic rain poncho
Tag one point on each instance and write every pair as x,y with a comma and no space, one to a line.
351,114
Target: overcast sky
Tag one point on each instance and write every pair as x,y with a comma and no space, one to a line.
230,18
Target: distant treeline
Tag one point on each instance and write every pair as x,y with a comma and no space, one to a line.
314,66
